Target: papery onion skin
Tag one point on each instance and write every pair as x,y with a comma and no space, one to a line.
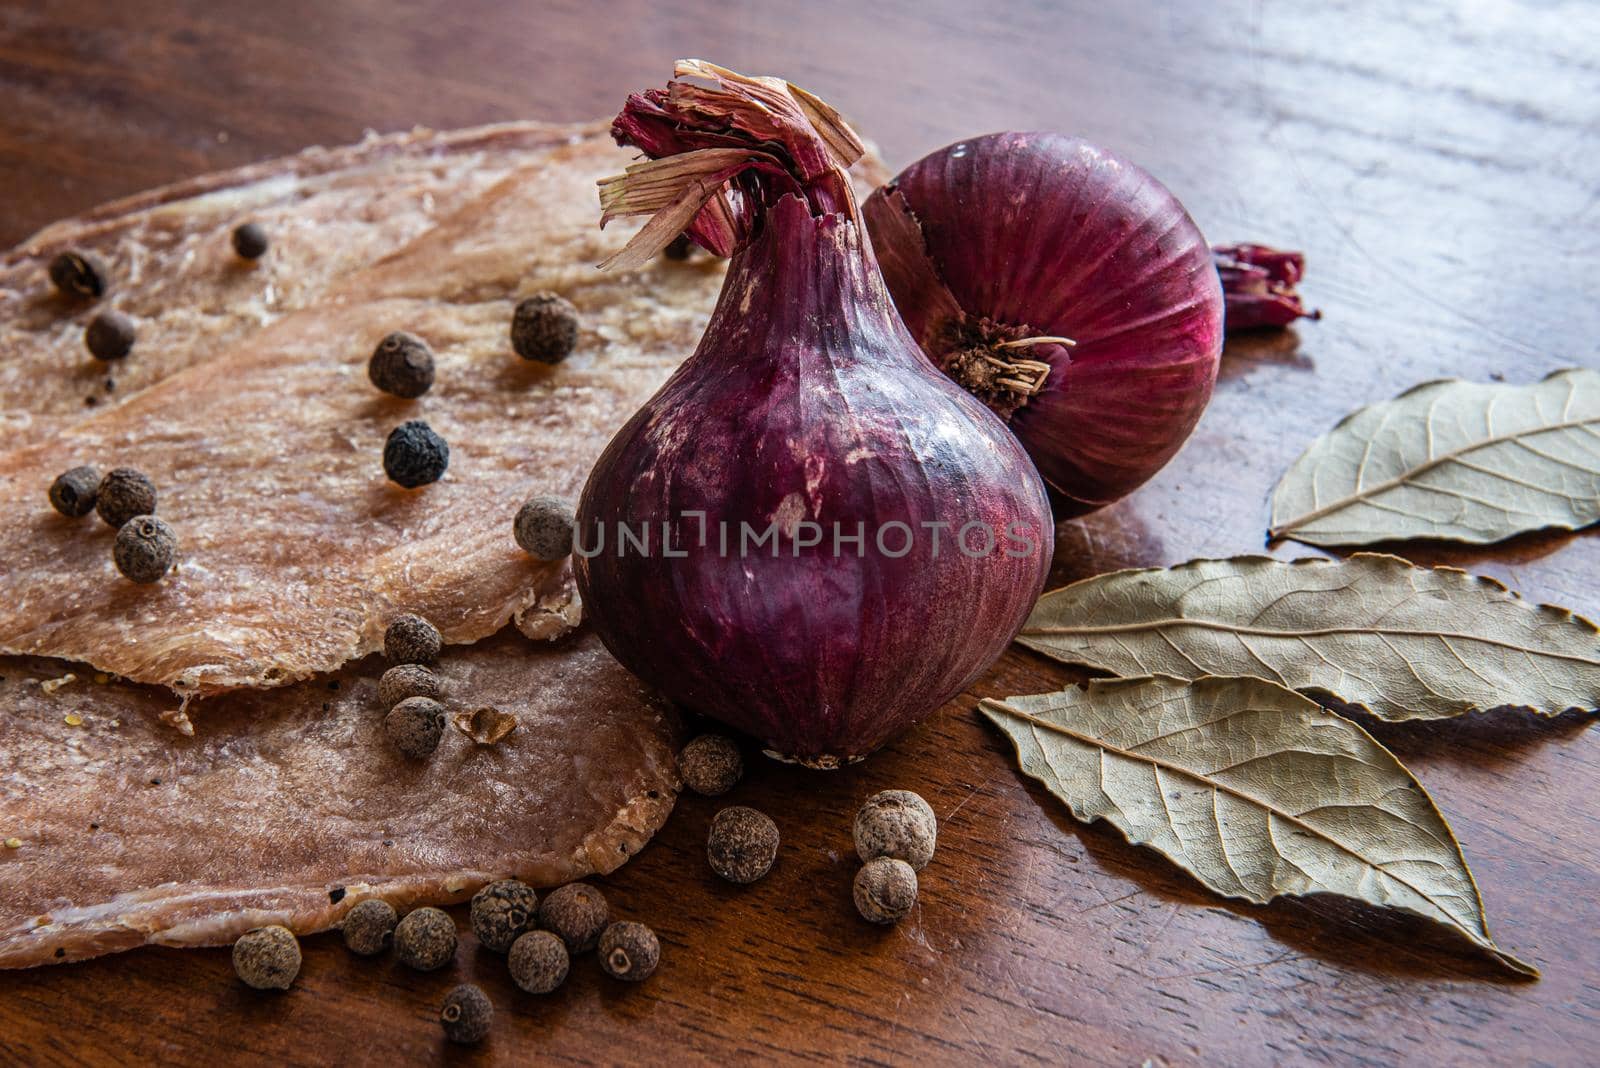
807,400
1017,235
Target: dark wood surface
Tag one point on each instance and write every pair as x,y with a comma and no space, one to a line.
1441,165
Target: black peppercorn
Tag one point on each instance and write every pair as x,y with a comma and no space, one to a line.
576,913
250,241
710,765
426,939
267,958
109,336
78,274
73,492
544,328
123,494
538,961
502,912
144,549
411,640
679,248
369,927
885,890
466,1014
407,680
402,365
897,823
629,951
414,455
742,844
415,726
543,528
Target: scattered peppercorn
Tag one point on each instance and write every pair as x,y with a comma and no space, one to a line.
267,958
538,961
144,549
896,823
885,890
369,927
544,328
502,912
466,1014
109,336
72,493
250,241
78,274
629,951
425,939
710,765
415,726
402,365
123,494
411,640
543,527
679,248
742,844
407,680
414,455
576,913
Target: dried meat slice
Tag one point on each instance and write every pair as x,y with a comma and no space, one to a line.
171,266
290,806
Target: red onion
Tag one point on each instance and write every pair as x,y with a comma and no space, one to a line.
806,410
1258,286
1066,288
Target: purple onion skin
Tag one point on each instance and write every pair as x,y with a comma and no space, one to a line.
807,400
1042,234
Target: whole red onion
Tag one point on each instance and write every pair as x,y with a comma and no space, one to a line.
807,409
1065,287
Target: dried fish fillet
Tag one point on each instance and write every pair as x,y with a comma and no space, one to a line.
290,807
295,550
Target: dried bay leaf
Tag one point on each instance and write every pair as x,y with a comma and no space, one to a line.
1404,642
1255,790
1459,460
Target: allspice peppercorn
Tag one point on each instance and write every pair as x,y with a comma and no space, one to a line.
577,913
538,961
250,241
73,492
267,958
466,1014
679,248
408,680
710,765
885,890
543,528
145,549
123,494
78,274
425,939
411,640
502,912
742,844
369,927
109,336
629,951
545,328
415,726
402,365
414,455
897,823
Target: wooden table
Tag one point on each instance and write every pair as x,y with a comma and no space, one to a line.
1442,170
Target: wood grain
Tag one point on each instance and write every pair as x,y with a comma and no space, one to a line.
1441,165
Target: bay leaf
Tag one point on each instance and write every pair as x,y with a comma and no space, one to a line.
1459,460
1402,642
1253,789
